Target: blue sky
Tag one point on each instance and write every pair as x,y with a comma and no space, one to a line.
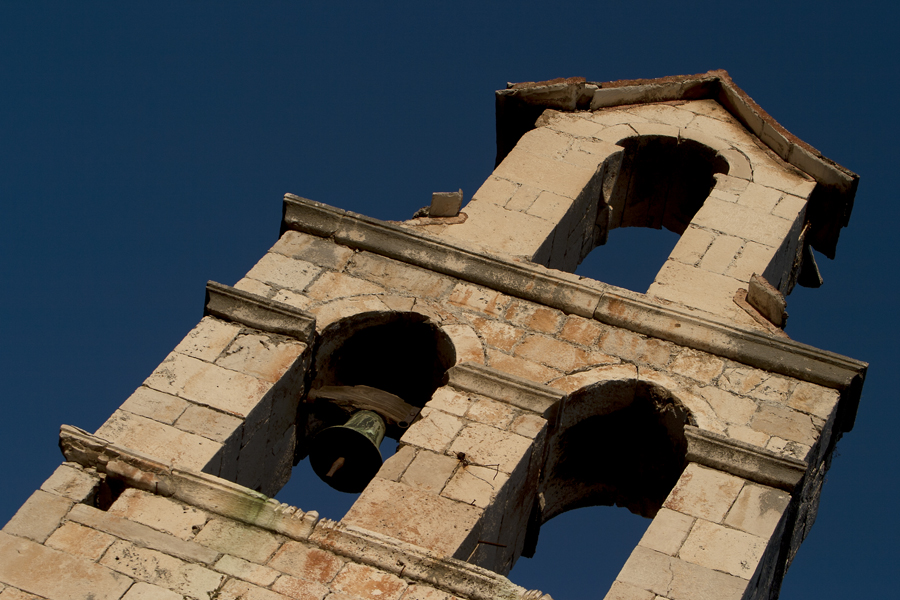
145,148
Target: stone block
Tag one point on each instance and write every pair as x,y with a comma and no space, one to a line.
721,253
230,537
616,133
743,222
490,412
334,311
729,407
615,116
155,405
429,471
633,347
497,334
14,594
738,163
697,288
261,356
814,399
162,442
203,383
559,355
209,423
159,513
300,589
39,516
283,272
529,426
339,285
466,343
785,423
790,207
533,316
745,434
394,467
723,549
321,252
399,277
488,447
307,563
544,173
476,486
248,571
78,540
758,510
141,535
754,258
254,287
667,531
523,198
434,431
678,580
366,582
445,204
696,365
417,517
704,493
423,592
450,401
625,591
35,569
495,191
292,298
581,331
576,381
146,591
479,299
208,339
761,198
70,481
501,230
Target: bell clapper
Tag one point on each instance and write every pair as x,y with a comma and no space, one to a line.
337,464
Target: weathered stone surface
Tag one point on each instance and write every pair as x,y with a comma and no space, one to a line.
71,482
203,383
208,339
445,204
366,582
488,446
704,493
520,367
420,518
559,355
35,569
450,401
698,366
159,513
814,399
281,271
209,423
723,549
160,569
476,486
163,442
155,405
146,591
625,591
39,516
489,412
435,430
667,531
785,423
478,299
399,277
531,316
424,592
300,589
248,571
239,540
679,580
141,535
261,356
393,467
307,563
313,249
758,510
78,540
429,471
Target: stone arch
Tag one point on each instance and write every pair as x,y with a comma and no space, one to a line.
661,181
616,442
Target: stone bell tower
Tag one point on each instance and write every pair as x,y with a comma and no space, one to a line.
515,389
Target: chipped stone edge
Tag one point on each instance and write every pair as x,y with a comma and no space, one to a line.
743,460
517,391
229,303
538,284
233,501
204,491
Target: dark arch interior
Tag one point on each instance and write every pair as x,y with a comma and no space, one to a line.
404,355
663,182
631,456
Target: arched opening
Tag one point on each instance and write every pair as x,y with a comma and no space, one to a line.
617,444
403,354
660,183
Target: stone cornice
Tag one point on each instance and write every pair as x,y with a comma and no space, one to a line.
236,502
236,305
516,391
743,460
566,292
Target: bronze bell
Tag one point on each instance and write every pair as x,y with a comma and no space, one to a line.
346,457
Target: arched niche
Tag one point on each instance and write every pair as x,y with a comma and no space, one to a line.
616,443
